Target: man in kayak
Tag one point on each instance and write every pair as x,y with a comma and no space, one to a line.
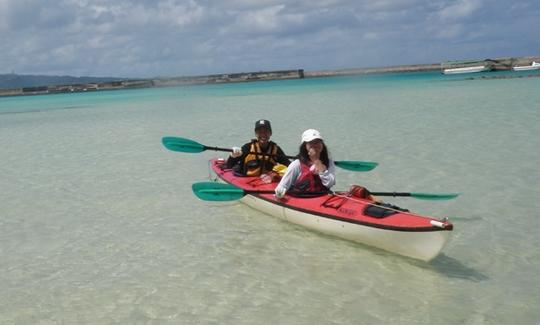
258,156
314,171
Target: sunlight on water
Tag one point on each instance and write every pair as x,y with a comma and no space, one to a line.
98,223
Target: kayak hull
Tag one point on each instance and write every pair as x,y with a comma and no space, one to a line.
402,233
419,245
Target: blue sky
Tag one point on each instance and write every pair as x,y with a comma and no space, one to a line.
150,38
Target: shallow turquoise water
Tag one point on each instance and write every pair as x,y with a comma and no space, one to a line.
98,224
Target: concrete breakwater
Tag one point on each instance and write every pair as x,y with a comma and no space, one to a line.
494,64
361,71
498,64
156,82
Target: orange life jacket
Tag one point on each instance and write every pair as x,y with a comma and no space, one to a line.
258,164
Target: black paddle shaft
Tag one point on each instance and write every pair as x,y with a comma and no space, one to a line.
253,153
395,194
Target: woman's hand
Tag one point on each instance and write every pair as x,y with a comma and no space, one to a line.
280,192
317,167
314,150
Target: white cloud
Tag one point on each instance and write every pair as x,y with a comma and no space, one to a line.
178,37
263,20
3,16
391,5
451,31
180,14
460,9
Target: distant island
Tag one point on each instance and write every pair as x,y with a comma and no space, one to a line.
20,85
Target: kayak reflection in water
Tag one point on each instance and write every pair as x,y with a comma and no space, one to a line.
259,156
313,171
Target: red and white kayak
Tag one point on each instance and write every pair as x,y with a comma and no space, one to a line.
347,216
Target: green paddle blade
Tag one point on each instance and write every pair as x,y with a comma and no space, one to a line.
434,196
357,166
213,191
182,145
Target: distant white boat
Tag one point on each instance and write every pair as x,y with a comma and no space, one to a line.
533,66
472,69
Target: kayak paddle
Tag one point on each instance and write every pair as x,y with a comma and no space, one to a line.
186,145
213,191
356,166
420,196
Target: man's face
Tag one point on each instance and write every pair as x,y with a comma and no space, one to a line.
263,135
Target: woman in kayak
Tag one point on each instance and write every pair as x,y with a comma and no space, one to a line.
258,156
313,171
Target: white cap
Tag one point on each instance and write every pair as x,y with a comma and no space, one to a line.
310,135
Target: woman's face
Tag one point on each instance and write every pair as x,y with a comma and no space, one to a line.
314,147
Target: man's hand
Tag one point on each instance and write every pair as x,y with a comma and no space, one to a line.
236,152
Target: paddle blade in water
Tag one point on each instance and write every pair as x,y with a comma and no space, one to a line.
357,166
213,191
182,145
434,196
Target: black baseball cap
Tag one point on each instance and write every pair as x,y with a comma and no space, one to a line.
263,124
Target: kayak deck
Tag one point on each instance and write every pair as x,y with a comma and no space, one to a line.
338,205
